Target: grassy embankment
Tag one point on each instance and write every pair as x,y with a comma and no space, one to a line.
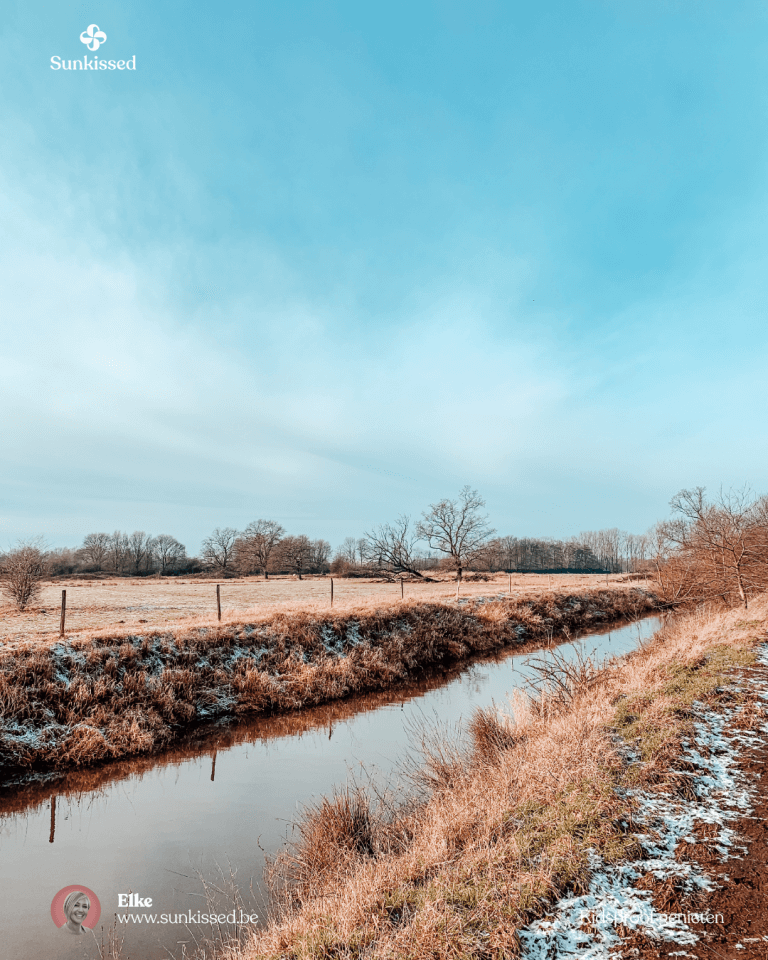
508,817
104,696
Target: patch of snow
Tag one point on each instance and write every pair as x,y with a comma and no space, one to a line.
584,926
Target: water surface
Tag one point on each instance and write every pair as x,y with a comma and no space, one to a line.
221,801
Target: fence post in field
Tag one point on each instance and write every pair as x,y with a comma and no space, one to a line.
510,584
63,612
402,590
218,599
331,591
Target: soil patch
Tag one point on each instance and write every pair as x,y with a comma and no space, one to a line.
740,901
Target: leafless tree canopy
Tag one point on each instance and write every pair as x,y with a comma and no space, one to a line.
137,554
218,549
713,550
168,552
295,553
118,550
710,550
22,571
256,544
138,545
393,546
95,549
457,528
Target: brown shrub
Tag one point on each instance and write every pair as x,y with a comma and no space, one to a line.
22,571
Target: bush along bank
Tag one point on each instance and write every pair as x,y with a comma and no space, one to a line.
574,824
88,699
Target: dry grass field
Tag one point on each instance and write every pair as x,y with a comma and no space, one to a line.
129,604
523,810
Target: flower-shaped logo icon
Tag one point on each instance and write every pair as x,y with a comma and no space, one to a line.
93,37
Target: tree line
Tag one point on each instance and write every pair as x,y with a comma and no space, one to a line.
709,550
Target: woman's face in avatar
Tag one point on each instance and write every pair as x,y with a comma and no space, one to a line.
80,909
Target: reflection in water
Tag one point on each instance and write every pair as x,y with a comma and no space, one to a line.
224,797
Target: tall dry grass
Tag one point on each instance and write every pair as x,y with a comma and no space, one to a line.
106,696
508,815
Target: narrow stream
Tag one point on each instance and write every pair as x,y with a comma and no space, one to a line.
220,802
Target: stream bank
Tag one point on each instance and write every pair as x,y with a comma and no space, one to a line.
90,699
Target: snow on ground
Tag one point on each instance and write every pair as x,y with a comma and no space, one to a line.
585,926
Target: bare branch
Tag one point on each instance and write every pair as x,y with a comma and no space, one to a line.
457,528
393,545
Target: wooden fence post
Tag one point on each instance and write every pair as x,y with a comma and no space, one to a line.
402,591
331,591
63,612
510,584
53,820
218,599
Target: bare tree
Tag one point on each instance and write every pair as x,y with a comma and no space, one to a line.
118,550
22,571
95,549
138,546
218,549
320,555
347,550
295,553
393,545
713,550
256,545
363,550
168,551
456,528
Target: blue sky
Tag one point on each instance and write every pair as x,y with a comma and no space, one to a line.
327,263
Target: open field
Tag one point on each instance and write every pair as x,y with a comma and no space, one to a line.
131,604
605,804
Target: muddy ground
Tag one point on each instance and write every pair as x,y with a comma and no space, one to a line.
740,902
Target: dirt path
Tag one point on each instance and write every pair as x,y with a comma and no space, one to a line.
699,886
742,895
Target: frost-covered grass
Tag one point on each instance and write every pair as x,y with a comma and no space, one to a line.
97,697
530,834
139,604
587,925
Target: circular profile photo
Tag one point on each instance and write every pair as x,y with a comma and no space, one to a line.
75,909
